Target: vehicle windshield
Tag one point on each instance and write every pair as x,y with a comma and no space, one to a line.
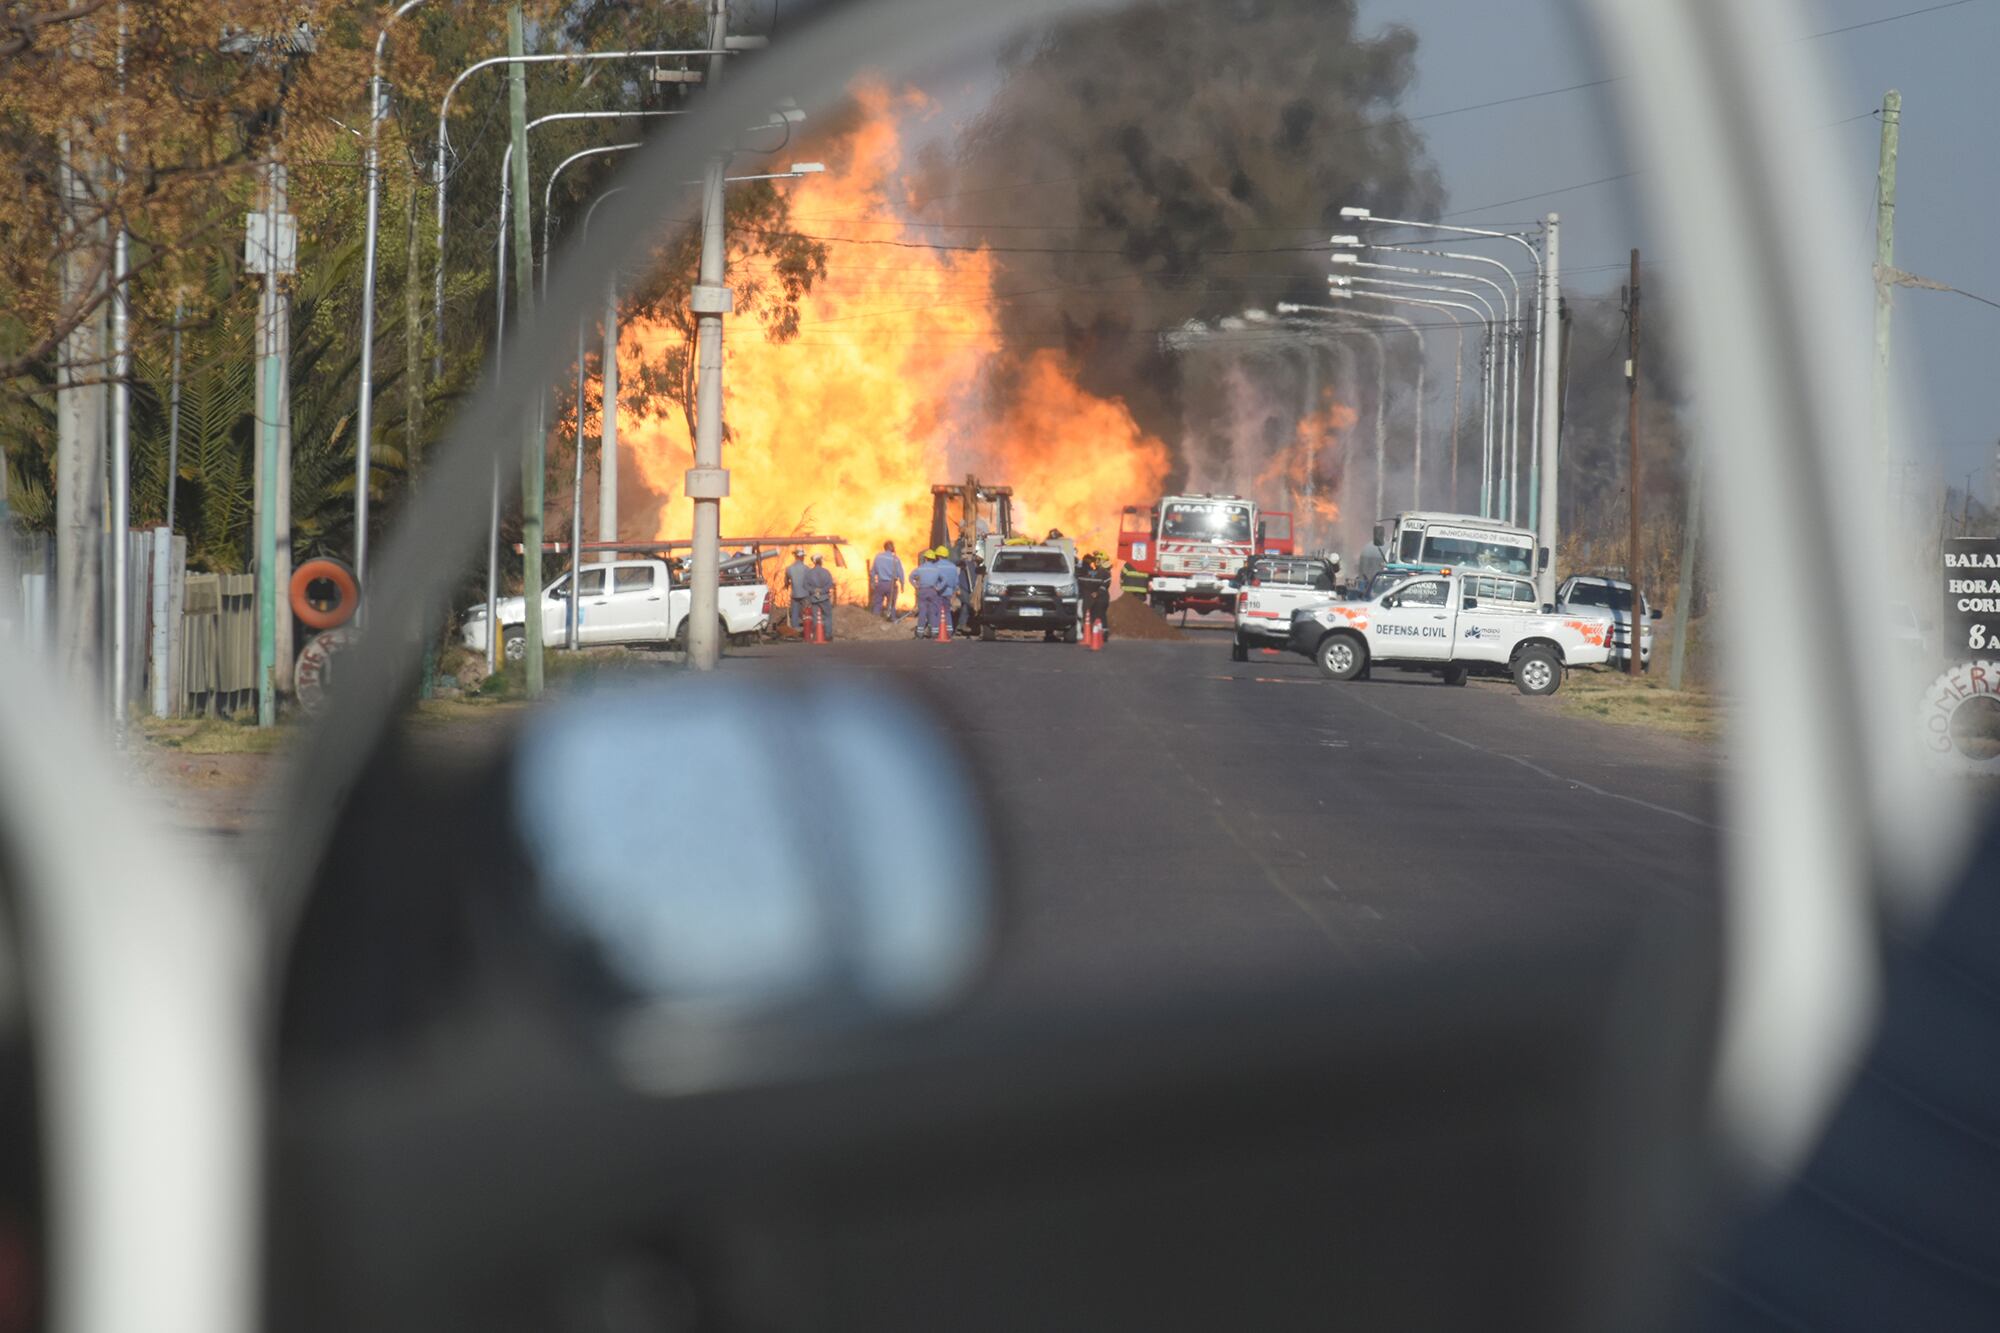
1030,562
1467,553
1204,521
1609,595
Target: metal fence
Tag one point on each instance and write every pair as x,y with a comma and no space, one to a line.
218,644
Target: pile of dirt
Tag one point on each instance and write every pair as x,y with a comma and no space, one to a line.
1131,618
858,622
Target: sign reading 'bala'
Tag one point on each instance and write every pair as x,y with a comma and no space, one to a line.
1971,624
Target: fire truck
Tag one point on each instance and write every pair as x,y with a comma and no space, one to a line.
1184,549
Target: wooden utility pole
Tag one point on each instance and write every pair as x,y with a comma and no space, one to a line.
1635,634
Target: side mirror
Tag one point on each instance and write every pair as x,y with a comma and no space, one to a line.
1391,602
1542,559
1469,604
1381,535
1548,608
1654,614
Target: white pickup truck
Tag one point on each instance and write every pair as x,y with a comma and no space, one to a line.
1432,622
624,602
1275,587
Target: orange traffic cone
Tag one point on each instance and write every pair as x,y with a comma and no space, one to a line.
819,624
1097,628
944,625
1090,633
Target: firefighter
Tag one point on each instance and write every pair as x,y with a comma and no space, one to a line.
798,578
1133,581
819,590
1093,583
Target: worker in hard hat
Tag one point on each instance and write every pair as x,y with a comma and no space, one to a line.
951,591
797,583
819,591
885,574
929,586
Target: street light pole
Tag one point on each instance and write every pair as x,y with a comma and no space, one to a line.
1510,383
442,176
1484,312
364,409
707,482
1544,403
1550,420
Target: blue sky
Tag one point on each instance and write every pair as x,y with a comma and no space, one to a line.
1944,63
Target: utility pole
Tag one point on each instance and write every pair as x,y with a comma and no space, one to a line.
1632,640
532,466
80,435
708,481
1457,405
1550,417
270,251
1684,599
1885,263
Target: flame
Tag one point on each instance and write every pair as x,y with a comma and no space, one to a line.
1307,472
898,379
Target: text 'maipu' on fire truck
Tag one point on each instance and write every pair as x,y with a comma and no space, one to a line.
1186,549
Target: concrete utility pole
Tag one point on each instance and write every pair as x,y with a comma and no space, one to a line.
708,481
1549,417
1632,466
80,439
270,252
1885,263
532,467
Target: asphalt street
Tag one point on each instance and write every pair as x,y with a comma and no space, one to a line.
1177,819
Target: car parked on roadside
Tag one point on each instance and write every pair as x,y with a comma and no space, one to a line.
1607,595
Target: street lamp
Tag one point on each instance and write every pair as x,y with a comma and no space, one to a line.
1510,424
364,409
1484,313
1547,407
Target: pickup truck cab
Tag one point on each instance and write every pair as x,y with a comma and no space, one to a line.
1027,587
1273,589
1433,623
624,602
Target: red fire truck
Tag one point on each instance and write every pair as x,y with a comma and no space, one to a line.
1184,549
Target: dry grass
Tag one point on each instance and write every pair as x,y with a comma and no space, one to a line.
1608,696
212,735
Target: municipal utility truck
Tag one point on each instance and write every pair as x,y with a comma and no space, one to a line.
1423,542
1187,549
1431,622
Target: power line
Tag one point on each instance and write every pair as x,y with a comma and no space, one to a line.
1890,18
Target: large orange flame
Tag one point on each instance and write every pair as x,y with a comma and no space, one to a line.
898,379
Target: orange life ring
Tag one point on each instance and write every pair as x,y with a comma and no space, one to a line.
346,594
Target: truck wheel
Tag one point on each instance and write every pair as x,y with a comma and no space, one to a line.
1342,656
1538,671
514,645
1237,652
1455,675
1069,635
987,634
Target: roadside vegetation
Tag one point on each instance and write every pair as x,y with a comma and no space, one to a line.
1612,696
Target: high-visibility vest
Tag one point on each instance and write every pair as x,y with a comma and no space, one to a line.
1136,579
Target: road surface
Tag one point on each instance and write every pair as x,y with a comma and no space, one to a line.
1177,819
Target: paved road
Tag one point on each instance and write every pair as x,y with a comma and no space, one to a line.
1179,818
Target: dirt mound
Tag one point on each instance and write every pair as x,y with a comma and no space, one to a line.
1131,618
858,622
